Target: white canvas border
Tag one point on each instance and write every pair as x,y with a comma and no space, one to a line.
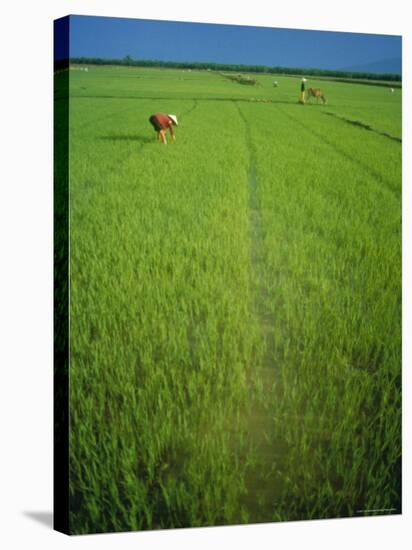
26,271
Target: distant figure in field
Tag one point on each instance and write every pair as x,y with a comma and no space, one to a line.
161,123
275,83
316,92
392,90
302,91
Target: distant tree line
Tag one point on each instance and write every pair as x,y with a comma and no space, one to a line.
130,62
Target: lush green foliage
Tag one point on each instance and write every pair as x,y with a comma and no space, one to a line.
235,301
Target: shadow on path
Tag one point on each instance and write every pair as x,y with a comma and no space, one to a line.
129,137
245,99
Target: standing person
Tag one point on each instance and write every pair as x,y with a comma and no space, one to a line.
161,123
302,90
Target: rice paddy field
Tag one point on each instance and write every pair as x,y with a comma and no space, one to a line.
235,300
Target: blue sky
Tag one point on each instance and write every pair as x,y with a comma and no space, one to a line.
108,37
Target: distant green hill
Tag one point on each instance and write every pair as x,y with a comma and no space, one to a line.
393,66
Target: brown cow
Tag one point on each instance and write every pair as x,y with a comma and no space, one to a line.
316,92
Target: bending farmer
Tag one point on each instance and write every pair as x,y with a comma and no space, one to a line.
161,123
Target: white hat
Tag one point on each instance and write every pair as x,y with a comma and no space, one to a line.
304,80
174,118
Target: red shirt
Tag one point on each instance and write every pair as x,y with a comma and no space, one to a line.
163,121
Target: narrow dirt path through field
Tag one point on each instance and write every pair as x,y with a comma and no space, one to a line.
263,481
